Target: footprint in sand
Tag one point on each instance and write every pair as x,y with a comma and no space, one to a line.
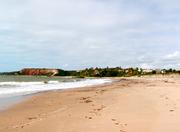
122,131
97,111
88,117
117,123
85,100
113,119
171,110
32,118
170,104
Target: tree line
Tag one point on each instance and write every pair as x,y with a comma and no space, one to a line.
106,72
115,72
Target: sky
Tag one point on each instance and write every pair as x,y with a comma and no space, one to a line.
75,34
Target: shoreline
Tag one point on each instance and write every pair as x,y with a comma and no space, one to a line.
136,104
7,103
21,93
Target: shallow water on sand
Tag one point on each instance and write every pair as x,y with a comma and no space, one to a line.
13,89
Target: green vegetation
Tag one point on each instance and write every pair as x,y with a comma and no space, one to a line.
107,72
115,72
10,73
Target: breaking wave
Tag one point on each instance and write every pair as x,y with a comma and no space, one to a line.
10,89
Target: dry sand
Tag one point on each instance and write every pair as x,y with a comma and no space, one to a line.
146,104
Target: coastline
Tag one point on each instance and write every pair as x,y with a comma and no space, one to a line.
13,92
6,103
145,104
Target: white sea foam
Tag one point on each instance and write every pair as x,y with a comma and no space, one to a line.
10,89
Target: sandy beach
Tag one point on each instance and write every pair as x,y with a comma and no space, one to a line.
136,104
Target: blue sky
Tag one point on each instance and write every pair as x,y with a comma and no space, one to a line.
74,34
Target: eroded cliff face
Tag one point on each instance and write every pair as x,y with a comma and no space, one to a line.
39,71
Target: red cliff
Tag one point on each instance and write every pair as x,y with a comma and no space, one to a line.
39,71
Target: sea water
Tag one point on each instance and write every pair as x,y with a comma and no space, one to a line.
14,88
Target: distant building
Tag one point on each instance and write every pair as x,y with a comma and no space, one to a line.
158,71
147,70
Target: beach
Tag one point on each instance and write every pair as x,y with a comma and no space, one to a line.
134,104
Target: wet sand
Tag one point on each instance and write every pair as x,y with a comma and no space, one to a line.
137,104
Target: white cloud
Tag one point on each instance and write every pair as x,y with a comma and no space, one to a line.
146,66
84,33
174,55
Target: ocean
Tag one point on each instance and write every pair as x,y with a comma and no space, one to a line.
14,88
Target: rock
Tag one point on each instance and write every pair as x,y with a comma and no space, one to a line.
39,71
